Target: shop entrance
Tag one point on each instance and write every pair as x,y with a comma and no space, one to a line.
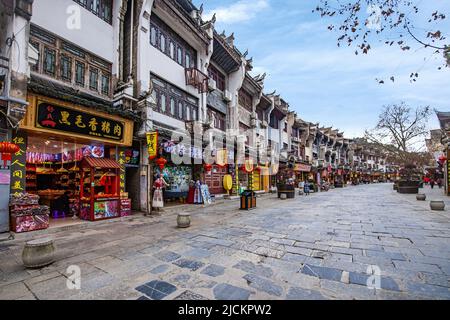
132,186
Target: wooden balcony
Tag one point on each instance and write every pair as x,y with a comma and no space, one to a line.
197,79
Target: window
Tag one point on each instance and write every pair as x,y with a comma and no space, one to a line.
163,103
153,36
49,61
172,106
172,50
188,113
180,55
105,84
79,73
66,68
217,76
101,8
162,43
67,62
35,67
188,60
180,110
93,79
245,100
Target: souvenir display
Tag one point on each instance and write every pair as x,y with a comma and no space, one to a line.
100,189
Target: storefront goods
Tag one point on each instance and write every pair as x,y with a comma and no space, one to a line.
23,199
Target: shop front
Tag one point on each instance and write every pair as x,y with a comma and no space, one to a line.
72,162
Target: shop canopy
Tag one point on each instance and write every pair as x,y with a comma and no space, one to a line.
102,163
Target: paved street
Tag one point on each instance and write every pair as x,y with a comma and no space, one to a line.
316,247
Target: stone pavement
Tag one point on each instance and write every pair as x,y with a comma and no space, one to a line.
316,247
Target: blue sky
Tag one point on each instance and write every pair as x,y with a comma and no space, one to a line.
324,83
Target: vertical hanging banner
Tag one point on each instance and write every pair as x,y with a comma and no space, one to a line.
448,171
122,160
18,164
152,144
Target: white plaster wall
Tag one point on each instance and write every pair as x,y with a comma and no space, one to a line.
52,16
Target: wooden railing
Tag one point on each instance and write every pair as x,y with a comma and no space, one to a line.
197,79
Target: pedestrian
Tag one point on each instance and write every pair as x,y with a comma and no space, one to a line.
307,188
432,182
439,183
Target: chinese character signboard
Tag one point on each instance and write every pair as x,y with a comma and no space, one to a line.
122,161
152,144
448,172
53,117
18,164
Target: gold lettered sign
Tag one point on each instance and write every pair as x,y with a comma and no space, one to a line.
152,144
122,162
18,164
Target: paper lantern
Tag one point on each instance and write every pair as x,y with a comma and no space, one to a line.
228,182
161,163
208,167
8,147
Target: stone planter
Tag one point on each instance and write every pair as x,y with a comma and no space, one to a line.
184,220
437,205
408,187
421,197
38,253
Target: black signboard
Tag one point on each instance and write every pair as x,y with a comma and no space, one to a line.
53,117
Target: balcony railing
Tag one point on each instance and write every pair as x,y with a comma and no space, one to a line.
197,79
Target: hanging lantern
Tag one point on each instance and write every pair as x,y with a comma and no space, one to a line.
208,167
442,159
248,166
8,147
161,163
6,151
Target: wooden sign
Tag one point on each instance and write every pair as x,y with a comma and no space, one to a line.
54,117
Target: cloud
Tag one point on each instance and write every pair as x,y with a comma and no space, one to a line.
241,11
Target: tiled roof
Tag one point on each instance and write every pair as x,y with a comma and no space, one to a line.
102,163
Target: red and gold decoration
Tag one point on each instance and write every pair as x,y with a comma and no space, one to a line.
161,163
248,166
7,149
208,167
152,144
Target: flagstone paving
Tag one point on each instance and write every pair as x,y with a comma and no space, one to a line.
325,246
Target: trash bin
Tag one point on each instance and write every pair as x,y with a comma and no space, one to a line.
248,200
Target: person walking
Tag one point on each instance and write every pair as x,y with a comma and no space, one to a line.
307,188
439,183
432,182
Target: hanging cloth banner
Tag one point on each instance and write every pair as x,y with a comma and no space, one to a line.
152,144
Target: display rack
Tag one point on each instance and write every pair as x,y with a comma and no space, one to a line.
99,189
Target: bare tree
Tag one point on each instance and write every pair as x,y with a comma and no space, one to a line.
398,129
360,22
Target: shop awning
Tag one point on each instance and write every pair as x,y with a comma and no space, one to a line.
102,163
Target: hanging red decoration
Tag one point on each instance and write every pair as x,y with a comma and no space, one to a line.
442,159
8,147
161,163
208,167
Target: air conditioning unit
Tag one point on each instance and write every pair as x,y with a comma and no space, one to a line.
227,96
212,85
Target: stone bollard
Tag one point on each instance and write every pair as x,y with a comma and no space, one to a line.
283,196
421,197
184,220
38,253
437,205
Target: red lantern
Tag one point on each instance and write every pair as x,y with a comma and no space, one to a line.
442,159
161,163
208,167
8,147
